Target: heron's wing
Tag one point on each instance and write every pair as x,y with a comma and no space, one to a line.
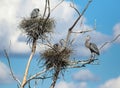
94,48
34,13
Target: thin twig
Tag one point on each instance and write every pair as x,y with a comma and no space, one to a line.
76,21
37,74
57,6
82,31
109,41
72,6
45,9
44,23
14,77
80,15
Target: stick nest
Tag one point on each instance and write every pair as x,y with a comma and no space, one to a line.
37,28
57,58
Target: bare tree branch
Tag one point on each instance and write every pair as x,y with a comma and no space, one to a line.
72,6
12,74
82,31
57,5
44,23
76,21
80,15
45,9
28,63
56,74
109,41
38,74
81,63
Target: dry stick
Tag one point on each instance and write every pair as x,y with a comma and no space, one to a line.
110,41
80,63
28,64
57,71
74,24
80,15
56,6
82,31
72,6
14,77
45,9
37,74
44,23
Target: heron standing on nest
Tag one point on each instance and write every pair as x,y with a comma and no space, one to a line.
56,46
35,13
92,47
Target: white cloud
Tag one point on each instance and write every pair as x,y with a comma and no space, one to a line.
11,13
82,85
84,75
113,83
116,30
64,84
4,74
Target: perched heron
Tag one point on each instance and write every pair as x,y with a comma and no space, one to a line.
35,13
92,47
62,42
56,46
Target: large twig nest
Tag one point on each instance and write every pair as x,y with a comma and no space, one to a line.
56,57
37,28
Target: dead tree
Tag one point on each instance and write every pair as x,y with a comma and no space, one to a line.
56,57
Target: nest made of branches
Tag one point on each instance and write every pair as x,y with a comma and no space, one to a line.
57,57
37,28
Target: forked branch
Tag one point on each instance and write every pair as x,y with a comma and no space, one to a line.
12,74
57,5
76,21
109,42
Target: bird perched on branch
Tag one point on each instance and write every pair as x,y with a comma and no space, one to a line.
35,13
92,47
56,46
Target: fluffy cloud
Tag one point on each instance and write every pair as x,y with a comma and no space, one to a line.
4,74
64,84
113,83
117,31
84,75
11,13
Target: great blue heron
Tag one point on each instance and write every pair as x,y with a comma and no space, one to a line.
62,42
60,45
35,13
56,46
92,47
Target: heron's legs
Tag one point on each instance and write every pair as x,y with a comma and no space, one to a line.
92,56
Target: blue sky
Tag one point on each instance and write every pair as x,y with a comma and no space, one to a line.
107,15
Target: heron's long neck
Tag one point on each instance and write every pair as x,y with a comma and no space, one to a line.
87,43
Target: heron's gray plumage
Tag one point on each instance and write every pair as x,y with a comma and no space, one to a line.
35,13
56,46
92,46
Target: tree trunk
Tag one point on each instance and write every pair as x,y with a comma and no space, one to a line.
28,64
56,74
